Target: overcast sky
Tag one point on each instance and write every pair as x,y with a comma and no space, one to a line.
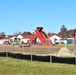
26,15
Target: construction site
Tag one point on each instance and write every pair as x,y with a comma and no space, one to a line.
44,50
40,35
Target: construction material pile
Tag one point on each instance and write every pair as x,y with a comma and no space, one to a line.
64,52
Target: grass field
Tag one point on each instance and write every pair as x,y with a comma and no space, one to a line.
10,66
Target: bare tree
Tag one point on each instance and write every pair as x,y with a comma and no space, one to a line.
63,32
17,33
2,34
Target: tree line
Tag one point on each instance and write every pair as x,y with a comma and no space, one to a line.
64,32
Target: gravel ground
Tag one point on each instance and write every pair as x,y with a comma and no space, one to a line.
36,49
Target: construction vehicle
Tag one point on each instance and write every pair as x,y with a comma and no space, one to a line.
21,43
40,33
27,44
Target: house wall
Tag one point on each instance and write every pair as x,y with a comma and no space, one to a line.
19,36
38,41
25,40
53,39
2,40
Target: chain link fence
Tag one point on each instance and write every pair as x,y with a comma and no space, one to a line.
37,52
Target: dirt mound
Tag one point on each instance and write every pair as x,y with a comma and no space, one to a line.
64,52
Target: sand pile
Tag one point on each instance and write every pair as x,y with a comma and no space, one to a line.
64,52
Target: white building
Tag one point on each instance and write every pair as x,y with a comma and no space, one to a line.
55,39
6,38
25,38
